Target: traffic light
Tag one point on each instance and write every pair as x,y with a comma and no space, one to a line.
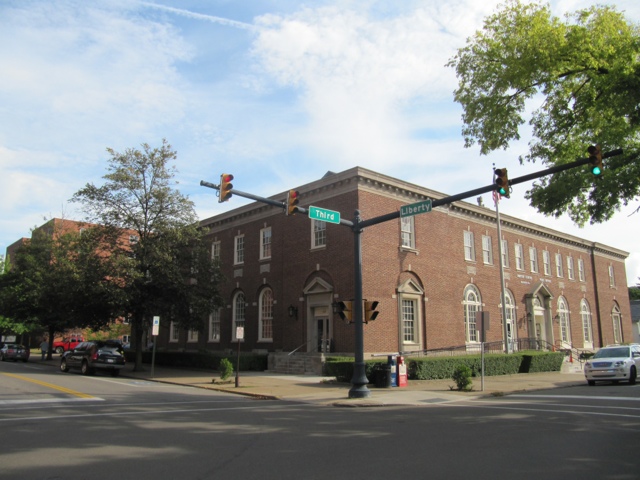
502,181
370,312
225,187
345,310
595,157
292,202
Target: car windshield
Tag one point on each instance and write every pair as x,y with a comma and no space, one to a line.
612,352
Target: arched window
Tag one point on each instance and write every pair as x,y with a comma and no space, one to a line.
563,319
616,317
238,315
265,325
471,304
585,315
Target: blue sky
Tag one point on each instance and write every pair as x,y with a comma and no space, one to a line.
275,92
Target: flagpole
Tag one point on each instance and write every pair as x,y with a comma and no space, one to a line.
505,328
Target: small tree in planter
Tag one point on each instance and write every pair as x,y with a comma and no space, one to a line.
462,377
226,369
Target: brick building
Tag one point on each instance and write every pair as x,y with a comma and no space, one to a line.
431,273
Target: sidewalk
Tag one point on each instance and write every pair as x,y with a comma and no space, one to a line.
326,391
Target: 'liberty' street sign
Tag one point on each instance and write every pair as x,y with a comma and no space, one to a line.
415,208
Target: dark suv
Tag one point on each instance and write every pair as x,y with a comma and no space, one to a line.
95,355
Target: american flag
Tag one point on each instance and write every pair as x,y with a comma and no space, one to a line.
496,197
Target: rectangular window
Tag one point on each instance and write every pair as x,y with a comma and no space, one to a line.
469,250
409,321
265,243
174,332
407,235
214,326
238,250
559,268
581,276
533,259
505,254
519,251
487,253
192,336
215,251
570,271
612,278
546,262
318,233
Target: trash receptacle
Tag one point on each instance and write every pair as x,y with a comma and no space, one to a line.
383,376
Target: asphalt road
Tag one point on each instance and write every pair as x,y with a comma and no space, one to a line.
66,426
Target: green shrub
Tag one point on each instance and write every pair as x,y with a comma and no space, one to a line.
226,369
462,377
201,360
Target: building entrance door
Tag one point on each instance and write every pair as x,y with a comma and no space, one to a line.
324,341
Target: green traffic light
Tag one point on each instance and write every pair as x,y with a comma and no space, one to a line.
596,170
502,192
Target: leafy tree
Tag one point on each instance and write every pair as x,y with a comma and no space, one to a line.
170,272
585,72
634,293
60,280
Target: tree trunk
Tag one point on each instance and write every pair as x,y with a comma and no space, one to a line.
139,330
52,332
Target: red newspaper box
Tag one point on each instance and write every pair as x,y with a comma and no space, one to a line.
402,372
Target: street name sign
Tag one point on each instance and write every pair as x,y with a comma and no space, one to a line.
415,208
324,215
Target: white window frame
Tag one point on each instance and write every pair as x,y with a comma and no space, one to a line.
616,318
571,274
318,234
410,319
174,332
215,250
563,320
265,243
469,247
192,336
612,276
587,330
265,322
533,259
471,304
559,266
214,325
505,253
238,249
519,254
546,262
581,272
487,250
407,233
239,312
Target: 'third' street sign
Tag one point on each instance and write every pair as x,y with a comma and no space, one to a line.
324,215
415,208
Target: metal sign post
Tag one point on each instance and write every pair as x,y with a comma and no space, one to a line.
154,333
239,336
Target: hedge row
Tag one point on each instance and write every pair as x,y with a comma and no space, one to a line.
433,368
202,360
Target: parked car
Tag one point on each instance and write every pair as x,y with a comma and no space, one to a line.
15,352
67,343
613,363
89,357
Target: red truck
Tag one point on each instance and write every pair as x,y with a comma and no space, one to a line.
61,346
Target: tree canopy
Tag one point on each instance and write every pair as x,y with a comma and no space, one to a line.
57,280
170,272
577,81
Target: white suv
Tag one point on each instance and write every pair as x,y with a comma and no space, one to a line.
614,363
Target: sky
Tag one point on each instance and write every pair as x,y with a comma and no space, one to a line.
276,92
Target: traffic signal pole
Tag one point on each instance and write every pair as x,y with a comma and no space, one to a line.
359,380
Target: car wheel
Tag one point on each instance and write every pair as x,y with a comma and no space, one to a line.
25,360
115,373
85,368
63,365
591,382
633,374
59,350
